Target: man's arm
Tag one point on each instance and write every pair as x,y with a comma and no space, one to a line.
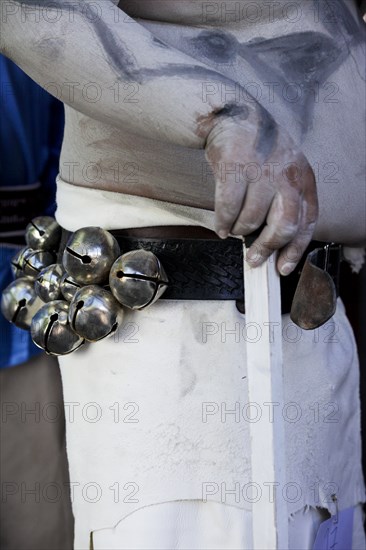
68,46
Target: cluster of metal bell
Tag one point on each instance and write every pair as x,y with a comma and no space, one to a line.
81,299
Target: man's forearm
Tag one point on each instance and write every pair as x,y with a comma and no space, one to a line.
95,57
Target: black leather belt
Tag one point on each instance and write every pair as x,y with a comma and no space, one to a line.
203,269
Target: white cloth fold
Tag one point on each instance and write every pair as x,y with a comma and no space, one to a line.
161,413
82,206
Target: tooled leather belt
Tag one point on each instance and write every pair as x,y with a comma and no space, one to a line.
199,265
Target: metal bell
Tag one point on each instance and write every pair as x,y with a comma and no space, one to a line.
89,254
68,287
43,233
94,314
19,303
35,261
137,279
17,262
47,284
51,330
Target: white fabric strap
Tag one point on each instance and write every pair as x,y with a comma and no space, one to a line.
265,385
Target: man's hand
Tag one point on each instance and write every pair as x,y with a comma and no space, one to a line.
262,177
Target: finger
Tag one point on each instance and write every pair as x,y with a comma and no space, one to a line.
293,252
256,204
229,196
222,149
311,204
282,226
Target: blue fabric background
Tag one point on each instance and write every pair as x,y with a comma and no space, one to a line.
31,131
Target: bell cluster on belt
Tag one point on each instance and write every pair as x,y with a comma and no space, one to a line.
82,299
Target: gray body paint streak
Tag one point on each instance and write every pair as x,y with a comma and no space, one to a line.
217,46
339,21
267,133
160,43
122,60
234,110
304,60
220,45
117,52
195,72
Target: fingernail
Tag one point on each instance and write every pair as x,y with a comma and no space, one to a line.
253,258
286,269
223,234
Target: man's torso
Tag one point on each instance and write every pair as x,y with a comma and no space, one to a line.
301,62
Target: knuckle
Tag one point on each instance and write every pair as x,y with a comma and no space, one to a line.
225,211
286,230
245,227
